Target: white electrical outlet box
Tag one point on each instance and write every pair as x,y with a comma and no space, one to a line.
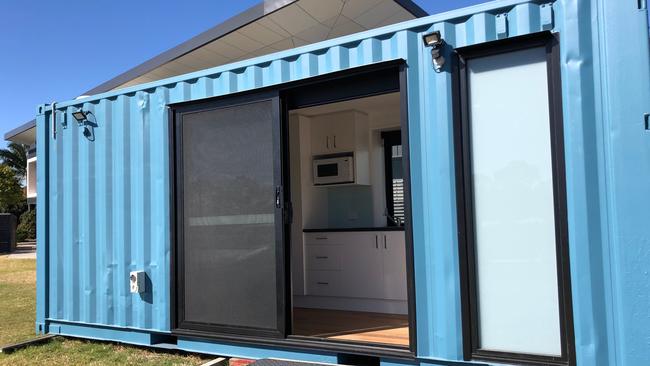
137,282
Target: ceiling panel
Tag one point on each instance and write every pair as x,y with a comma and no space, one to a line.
383,109
355,8
321,10
193,61
238,40
283,44
293,19
297,42
375,15
345,26
262,51
261,33
212,57
177,68
273,26
223,48
314,34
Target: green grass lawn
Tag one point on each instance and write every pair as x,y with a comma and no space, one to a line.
17,317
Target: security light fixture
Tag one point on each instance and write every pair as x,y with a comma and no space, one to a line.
436,42
80,116
433,39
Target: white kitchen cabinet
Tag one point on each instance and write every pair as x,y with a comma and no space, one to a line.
353,261
361,262
394,264
323,283
339,132
356,264
323,257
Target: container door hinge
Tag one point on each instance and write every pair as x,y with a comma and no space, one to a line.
546,16
502,25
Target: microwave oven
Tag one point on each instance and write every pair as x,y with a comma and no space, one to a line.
333,170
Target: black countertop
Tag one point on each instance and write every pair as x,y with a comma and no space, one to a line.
330,230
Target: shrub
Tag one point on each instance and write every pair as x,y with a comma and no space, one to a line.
27,226
11,192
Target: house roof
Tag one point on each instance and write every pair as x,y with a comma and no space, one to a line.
23,134
270,26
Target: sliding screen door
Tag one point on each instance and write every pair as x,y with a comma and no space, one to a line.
514,205
229,217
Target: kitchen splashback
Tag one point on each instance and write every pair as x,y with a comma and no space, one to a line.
349,206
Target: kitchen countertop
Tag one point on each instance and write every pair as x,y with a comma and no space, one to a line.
384,228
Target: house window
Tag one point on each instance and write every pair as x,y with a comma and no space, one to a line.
394,174
512,204
31,177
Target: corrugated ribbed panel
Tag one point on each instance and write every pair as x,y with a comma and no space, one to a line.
109,192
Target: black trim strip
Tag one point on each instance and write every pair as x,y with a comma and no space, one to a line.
307,343
408,213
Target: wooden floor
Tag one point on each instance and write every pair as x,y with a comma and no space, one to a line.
352,326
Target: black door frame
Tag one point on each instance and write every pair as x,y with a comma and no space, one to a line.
176,113
465,199
364,81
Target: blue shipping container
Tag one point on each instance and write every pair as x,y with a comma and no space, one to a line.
104,195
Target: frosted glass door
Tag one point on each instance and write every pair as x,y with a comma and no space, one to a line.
514,220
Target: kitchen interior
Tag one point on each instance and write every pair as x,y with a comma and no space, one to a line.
348,248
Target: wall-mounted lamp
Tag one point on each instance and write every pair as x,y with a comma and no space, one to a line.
435,41
83,119
80,116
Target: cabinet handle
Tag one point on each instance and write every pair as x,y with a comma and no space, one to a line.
327,142
322,283
321,238
321,257
376,242
335,141
385,247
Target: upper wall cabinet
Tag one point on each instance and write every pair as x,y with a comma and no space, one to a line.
339,132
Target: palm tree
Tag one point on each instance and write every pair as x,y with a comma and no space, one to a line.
15,157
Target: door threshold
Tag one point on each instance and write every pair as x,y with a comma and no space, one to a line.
351,343
307,343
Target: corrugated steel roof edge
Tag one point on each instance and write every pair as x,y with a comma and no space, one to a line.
410,24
